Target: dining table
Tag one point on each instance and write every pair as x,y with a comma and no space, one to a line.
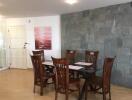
80,68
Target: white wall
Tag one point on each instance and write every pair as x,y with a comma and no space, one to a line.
30,23
3,54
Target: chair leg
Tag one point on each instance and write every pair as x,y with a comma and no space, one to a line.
109,95
34,88
78,87
91,87
86,91
66,95
53,79
85,95
56,95
46,82
104,96
54,82
41,90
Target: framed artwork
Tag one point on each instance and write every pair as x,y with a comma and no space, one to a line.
43,37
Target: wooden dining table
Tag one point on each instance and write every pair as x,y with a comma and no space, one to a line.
80,68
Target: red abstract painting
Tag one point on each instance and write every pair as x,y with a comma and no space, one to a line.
43,37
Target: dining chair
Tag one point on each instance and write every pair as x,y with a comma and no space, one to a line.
91,57
70,56
62,80
40,75
104,81
41,52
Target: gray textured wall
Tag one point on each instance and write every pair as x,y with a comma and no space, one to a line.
108,30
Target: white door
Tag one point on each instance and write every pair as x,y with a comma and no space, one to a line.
16,41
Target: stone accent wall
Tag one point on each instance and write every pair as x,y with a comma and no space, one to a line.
108,30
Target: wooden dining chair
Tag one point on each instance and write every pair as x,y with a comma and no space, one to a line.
70,56
40,75
91,57
104,81
63,81
41,52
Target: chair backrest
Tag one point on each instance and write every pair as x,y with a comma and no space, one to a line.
107,67
61,73
39,71
41,52
70,56
91,57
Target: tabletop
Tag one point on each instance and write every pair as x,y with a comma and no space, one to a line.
83,63
71,67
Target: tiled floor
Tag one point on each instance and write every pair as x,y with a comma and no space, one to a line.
18,85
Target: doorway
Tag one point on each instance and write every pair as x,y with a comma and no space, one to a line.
17,46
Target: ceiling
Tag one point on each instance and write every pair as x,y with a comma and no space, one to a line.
33,8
